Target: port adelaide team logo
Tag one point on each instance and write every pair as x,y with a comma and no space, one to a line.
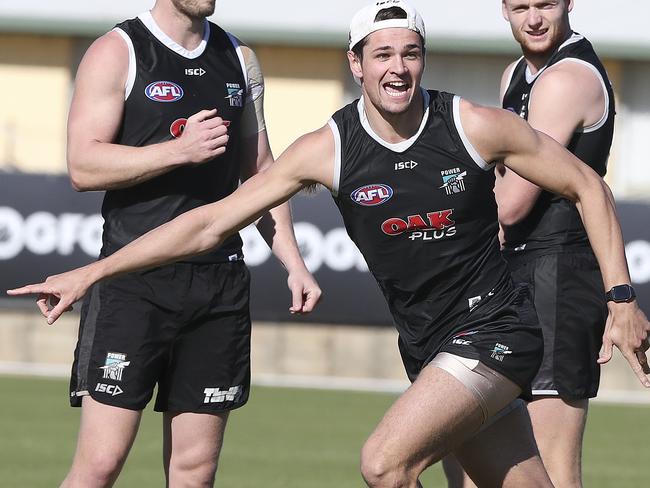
235,94
164,91
453,180
372,195
114,366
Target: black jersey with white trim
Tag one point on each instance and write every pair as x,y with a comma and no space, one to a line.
167,84
554,224
424,216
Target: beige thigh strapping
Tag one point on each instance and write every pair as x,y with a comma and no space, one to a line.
495,393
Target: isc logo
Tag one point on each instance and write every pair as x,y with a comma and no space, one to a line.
164,91
112,390
194,71
371,195
405,165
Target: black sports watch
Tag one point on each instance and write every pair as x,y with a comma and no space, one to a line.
620,294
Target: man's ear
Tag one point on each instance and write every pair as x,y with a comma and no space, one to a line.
569,6
355,65
504,10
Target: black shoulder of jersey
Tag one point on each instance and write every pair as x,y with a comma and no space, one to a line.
439,101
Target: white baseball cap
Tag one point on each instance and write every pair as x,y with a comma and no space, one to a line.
363,23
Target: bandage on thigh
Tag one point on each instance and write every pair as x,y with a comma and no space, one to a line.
493,391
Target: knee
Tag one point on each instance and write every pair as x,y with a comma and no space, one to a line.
192,471
568,476
380,470
96,469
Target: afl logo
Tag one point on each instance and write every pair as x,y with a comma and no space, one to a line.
177,128
372,195
163,91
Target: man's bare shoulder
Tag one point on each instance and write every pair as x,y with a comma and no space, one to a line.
476,115
105,64
490,130
110,44
317,142
570,80
311,158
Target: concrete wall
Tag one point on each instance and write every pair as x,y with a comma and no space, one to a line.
282,354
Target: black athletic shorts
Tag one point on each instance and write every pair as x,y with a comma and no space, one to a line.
570,302
184,327
502,333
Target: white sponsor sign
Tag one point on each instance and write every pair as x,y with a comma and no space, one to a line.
45,233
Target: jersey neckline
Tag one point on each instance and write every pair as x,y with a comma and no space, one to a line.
398,147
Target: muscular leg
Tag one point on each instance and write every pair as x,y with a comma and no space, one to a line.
559,426
106,435
432,418
504,454
192,444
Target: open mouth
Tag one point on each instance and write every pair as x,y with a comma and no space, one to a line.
537,33
396,88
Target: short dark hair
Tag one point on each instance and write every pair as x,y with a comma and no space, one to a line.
384,14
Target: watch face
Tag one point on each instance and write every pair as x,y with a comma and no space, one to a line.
622,293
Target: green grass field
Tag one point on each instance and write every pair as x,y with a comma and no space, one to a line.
283,438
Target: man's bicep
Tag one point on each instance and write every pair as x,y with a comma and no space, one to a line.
312,157
98,99
564,101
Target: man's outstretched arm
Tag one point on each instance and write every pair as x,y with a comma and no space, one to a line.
501,136
308,160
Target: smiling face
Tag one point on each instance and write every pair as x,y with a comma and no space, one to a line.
390,68
539,26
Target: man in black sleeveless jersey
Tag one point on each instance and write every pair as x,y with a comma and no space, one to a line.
411,172
167,116
561,88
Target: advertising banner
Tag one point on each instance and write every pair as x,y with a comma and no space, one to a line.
47,228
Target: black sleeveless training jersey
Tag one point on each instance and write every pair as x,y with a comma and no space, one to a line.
554,225
170,84
423,214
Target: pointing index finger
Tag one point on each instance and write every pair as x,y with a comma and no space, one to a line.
28,290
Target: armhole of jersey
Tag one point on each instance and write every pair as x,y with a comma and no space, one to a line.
510,75
603,119
130,77
480,162
336,177
242,61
